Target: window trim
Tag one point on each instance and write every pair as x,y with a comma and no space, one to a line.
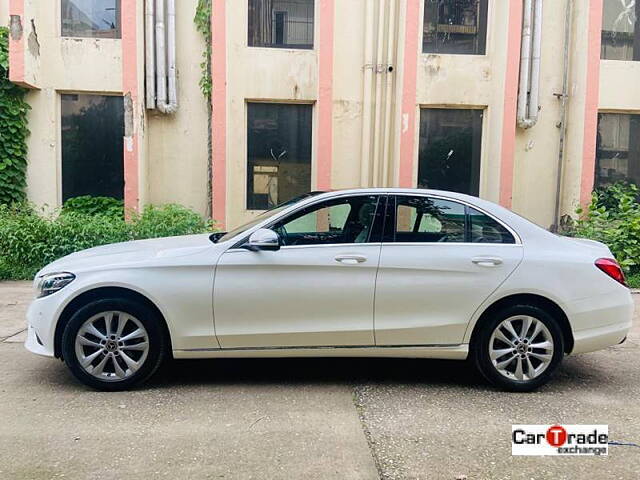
390,221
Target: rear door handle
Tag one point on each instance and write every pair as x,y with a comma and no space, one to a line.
350,259
487,261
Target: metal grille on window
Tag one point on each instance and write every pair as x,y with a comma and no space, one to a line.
455,26
617,149
281,23
620,38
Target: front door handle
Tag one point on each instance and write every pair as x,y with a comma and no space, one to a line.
487,261
350,259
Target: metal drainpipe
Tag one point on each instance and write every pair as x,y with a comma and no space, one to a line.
165,53
528,94
564,98
389,79
367,100
378,93
150,53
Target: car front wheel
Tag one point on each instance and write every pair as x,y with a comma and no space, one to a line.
113,344
520,348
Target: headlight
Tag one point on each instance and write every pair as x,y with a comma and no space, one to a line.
52,282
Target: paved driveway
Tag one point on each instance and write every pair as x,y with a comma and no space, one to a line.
303,418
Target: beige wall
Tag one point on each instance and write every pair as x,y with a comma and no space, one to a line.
173,149
177,152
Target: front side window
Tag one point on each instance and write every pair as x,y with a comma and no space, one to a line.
341,220
424,219
620,37
450,146
617,149
91,18
92,146
455,27
281,23
278,153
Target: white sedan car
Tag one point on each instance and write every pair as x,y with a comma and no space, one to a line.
373,272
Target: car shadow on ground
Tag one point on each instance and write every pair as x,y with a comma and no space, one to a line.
581,372
316,371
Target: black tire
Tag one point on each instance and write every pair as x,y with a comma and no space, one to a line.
482,360
147,317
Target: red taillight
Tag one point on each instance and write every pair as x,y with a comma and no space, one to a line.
611,268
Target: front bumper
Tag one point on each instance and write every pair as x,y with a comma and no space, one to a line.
41,322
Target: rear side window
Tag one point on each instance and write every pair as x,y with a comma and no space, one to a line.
429,220
423,219
484,229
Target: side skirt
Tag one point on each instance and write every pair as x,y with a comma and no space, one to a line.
449,352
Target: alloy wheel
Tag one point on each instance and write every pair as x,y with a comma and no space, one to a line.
112,346
521,347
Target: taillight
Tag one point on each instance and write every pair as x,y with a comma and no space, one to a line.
611,268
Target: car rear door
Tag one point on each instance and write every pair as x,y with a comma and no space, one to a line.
440,260
316,290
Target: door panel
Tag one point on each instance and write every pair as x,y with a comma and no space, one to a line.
426,294
317,290
297,296
436,268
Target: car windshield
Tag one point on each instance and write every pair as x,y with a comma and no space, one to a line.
224,236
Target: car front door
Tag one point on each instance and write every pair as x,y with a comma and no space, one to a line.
440,260
316,290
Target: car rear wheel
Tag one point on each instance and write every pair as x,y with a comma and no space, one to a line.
113,344
519,348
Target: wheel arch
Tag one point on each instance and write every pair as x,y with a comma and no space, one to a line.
540,301
96,294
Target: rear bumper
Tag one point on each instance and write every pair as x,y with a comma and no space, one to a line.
601,321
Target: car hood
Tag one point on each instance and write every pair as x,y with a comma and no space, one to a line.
132,253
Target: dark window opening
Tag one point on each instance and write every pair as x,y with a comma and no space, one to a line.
278,153
450,146
617,149
92,146
620,37
91,18
455,26
281,23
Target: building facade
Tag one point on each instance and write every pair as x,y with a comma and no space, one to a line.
327,94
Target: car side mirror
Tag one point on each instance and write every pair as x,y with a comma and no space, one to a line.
263,239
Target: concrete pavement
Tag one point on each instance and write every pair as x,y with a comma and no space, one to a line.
303,418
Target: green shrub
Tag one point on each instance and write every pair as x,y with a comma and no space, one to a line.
29,240
167,221
89,205
613,218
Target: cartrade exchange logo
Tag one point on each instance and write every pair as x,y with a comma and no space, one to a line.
560,440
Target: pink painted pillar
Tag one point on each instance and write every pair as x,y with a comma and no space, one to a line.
129,16
592,90
325,95
510,103
16,45
409,84
219,111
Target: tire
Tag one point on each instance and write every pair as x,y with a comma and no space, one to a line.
126,358
538,359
